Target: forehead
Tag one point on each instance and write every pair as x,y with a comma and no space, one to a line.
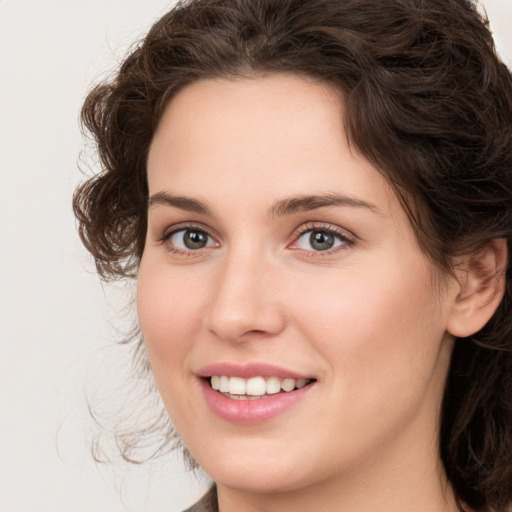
249,117
282,134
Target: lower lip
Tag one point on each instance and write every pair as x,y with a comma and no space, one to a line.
251,411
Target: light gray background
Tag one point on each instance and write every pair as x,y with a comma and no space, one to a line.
55,337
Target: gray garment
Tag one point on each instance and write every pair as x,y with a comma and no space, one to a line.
208,503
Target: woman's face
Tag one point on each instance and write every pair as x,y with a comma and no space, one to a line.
278,258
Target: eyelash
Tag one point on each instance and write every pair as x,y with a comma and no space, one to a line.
345,239
167,235
341,235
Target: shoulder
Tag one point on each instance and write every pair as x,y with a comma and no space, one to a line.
208,503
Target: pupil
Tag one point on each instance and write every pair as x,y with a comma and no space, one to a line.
321,241
195,239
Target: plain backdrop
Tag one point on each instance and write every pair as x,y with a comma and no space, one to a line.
56,331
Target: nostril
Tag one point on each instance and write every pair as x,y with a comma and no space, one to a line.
255,332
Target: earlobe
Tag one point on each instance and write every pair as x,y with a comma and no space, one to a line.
481,277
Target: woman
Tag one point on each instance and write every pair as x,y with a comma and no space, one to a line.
316,200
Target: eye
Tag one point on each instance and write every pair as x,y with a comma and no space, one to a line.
316,240
190,239
320,239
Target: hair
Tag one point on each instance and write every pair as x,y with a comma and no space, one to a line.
428,102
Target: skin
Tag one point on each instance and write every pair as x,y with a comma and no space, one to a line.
369,319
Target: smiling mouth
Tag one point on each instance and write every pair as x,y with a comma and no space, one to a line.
255,388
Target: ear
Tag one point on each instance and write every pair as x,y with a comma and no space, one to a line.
481,276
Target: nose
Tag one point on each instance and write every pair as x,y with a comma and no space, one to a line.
245,301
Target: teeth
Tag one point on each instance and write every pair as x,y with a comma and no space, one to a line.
288,384
224,384
273,385
237,386
300,383
255,386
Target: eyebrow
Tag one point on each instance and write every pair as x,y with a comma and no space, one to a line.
306,203
282,208
183,203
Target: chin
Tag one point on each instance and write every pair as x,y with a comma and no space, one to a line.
257,480
257,467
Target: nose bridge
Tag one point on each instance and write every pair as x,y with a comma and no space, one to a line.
244,300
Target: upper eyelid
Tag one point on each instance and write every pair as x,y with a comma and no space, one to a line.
323,226
347,238
165,239
183,226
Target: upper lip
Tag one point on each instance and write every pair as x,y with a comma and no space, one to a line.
249,370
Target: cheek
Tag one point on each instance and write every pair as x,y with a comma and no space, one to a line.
381,338
169,318
376,325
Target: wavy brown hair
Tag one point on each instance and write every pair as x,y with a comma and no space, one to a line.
428,102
